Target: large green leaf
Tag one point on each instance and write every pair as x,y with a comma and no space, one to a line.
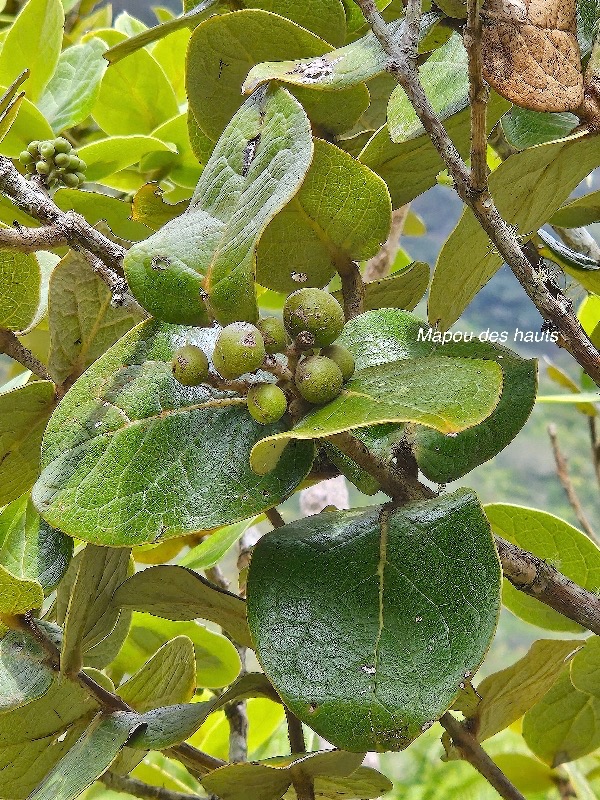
224,49
217,660
170,725
508,694
18,595
326,18
582,211
118,214
524,128
410,168
448,394
150,97
584,668
177,593
256,167
24,413
132,456
403,290
105,156
564,725
168,677
367,622
527,189
89,757
214,547
341,213
83,323
73,89
24,676
30,548
558,543
20,287
33,42
90,615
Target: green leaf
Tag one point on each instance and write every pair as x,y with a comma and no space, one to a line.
403,290
123,437
83,323
527,189
584,667
250,684
577,213
30,548
183,167
73,89
24,413
244,38
560,377
177,593
524,128
385,335
90,615
364,783
257,165
168,677
170,725
10,102
326,18
444,459
341,213
24,675
28,124
135,43
217,660
105,156
88,758
214,547
18,595
564,725
558,543
33,42
430,391
391,656
150,97
95,207
20,282
508,694
150,209
584,397
411,167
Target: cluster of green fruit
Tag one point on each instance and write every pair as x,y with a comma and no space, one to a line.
312,321
55,162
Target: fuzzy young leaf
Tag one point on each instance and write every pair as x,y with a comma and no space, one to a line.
117,214
20,287
392,655
18,595
256,167
123,437
403,290
24,676
105,156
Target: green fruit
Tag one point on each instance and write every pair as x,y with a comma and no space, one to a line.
315,311
33,148
266,403
342,357
26,158
81,165
319,379
62,145
71,180
61,159
190,365
273,334
73,163
42,168
47,150
240,348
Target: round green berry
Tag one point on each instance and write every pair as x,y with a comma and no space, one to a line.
42,168
34,148
273,333
47,150
266,403
190,365
315,311
342,357
73,163
70,179
81,165
61,160
239,348
80,177
26,158
62,145
319,379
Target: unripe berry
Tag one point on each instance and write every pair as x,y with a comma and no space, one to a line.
61,160
62,145
315,311
81,165
190,365
342,357
239,349
266,403
80,177
26,158
273,333
70,179
73,163
319,379
46,149
42,168
34,148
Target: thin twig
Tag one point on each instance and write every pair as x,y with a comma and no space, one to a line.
402,65
565,480
353,289
11,346
595,443
28,240
136,788
471,751
478,95
381,264
303,784
274,517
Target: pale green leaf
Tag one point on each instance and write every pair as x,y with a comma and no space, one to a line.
527,189
106,478
215,546
105,156
33,42
558,543
24,676
170,725
585,666
364,625
18,595
95,207
20,289
326,18
182,165
149,208
524,128
177,593
71,94
29,124
581,211
24,413
257,165
584,397
402,290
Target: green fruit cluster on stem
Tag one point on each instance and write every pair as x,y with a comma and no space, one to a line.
55,162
